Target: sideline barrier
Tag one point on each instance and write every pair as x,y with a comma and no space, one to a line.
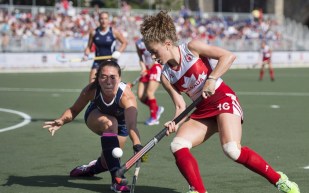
40,62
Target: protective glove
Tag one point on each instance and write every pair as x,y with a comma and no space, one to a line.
137,148
116,55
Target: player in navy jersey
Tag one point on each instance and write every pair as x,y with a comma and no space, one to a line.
104,40
187,69
111,114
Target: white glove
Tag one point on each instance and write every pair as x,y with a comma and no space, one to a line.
116,55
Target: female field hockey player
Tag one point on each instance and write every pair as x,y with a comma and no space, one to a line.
149,83
104,39
111,114
187,69
266,61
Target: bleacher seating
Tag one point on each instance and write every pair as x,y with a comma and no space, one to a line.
53,29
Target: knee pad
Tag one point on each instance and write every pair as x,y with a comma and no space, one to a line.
179,143
231,150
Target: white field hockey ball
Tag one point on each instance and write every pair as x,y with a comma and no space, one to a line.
117,152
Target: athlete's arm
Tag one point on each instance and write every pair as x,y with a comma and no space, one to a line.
128,102
225,58
178,100
141,61
89,45
121,39
69,114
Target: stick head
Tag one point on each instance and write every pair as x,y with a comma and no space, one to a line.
121,181
120,172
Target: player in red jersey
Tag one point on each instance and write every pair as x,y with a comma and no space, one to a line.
149,83
266,60
187,69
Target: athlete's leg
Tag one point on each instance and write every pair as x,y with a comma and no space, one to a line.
150,93
92,74
230,131
107,127
262,71
190,134
140,91
271,71
101,163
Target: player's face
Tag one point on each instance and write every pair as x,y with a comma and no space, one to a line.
159,52
104,20
109,80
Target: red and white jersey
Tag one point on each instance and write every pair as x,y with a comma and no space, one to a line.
192,73
190,78
145,53
266,52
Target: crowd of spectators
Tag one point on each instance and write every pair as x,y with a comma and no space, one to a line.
50,29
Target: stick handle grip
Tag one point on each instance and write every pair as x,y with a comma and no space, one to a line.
161,134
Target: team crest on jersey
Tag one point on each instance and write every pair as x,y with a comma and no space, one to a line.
191,82
189,57
108,38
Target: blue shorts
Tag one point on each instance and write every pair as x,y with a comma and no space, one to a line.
122,129
95,65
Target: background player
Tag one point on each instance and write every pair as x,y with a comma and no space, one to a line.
149,83
111,114
187,69
266,60
104,39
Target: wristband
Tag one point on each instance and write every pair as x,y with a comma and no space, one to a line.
212,78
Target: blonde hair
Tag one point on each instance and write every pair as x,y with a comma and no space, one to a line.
158,28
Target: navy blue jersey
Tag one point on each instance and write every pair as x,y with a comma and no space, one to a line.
112,109
105,42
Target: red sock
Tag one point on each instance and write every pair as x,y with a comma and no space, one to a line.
271,73
188,166
256,163
261,74
153,106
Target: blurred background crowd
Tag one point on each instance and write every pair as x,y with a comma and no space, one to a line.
65,28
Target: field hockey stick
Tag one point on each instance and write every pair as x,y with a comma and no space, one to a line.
136,172
125,167
134,82
63,59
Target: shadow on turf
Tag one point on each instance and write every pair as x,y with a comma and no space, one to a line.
66,181
50,119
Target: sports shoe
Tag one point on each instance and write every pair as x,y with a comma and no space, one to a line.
119,188
152,121
194,191
84,170
285,185
159,112
191,190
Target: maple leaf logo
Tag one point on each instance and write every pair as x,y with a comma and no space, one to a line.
188,81
191,82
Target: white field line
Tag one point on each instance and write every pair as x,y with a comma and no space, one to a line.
38,90
53,90
27,119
